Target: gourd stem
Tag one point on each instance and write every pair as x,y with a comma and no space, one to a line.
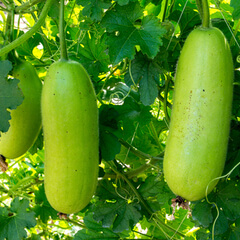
20,40
62,32
205,13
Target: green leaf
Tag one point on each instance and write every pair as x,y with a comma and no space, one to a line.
132,112
221,224
228,198
120,215
127,28
203,234
109,145
202,212
94,231
43,208
35,237
54,11
189,20
155,187
14,222
235,231
27,47
91,54
109,133
122,2
94,9
144,72
105,190
10,95
236,12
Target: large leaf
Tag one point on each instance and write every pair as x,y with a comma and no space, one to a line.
154,187
10,95
91,53
94,231
14,221
228,198
128,28
120,215
202,212
144,72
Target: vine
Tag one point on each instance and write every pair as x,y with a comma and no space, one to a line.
14,44
140,198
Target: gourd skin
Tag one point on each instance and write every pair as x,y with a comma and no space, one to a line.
25,122
70,126
198,136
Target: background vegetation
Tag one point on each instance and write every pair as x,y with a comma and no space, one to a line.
130,49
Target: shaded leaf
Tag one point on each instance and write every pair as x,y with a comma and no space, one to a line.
144,72
43,208
14,221
121,215
105,190
188,21
228,198
94,231
156,187
109,132
202,213
221,225
91,54
109,145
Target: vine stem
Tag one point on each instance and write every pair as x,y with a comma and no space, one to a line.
26,5
151,161
63,47
20,40
140,198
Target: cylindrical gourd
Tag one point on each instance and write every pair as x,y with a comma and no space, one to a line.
200,120
70,127
25,122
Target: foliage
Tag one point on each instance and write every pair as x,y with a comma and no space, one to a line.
130,49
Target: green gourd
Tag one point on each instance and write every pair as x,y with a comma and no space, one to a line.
25,122
199,129
70,127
